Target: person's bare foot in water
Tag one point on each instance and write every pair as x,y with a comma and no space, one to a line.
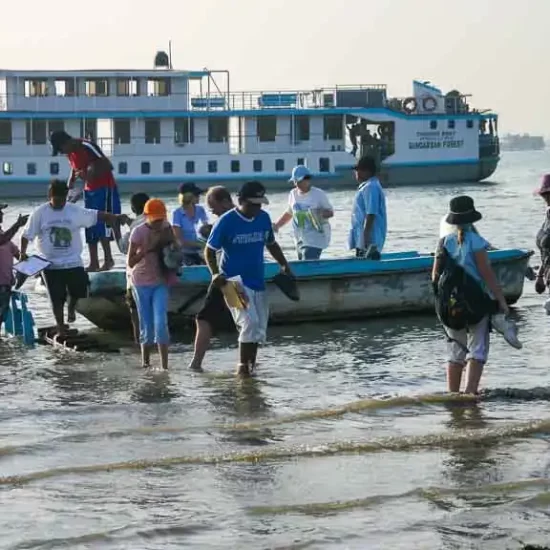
71,315
92,268
107,265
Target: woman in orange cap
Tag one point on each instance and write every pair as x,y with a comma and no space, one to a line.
149,284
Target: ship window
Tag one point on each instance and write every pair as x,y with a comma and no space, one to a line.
54,168
36,132
31,168
324,164
301,128
469,124
266,128
5,132
300,162
451,124
126,87
122,131
97,87
65,87
218,129
184,130
36,88
152,130
257,165
122,167
145,167
279,165
333,127
190,167
88,129
433,124
212,166
167,167
158,87
235,166
7,168
55,126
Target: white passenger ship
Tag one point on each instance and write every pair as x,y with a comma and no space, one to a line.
164,126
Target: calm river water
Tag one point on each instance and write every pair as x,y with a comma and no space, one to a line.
337,444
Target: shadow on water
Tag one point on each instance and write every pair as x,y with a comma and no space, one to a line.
155,386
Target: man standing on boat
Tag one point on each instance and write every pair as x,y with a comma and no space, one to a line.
214,314
368,218
89,163
242,234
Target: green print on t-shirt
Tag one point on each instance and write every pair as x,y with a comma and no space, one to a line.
61,237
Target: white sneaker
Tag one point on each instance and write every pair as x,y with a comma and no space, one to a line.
507,328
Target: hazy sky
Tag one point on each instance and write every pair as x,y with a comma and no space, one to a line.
497,50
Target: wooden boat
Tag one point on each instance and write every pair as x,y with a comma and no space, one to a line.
330,289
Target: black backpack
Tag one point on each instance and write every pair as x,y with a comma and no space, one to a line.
460,301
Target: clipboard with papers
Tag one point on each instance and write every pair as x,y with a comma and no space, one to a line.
32,266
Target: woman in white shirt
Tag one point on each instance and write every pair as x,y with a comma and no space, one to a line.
309,209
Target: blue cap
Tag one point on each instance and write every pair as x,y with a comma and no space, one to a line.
299,173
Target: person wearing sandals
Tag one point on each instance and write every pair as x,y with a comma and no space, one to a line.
470,346
543,242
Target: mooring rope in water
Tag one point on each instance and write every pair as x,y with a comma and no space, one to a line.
450,440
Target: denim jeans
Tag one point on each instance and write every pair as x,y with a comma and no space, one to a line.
308,252
152,306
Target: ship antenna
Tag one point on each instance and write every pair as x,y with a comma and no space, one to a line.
170,54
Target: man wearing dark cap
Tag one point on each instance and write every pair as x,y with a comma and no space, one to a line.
242,234
89,163
56,226
368,218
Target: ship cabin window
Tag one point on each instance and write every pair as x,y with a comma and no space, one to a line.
301,128
36,132
266,128
54,168
31,168
5,132
152,130
469,124
235,166
7,168
212,166
167,167
451,124
184,130
122,132
159,87
324,164
433,124
145,167
127,87
97,87
55,126
257,165
88,129
333,127
218,129
65,87
36,88
300,162
122,167
279,165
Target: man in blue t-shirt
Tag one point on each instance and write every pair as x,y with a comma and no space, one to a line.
369,223
241,235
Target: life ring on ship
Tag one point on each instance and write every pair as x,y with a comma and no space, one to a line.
410,105
429,103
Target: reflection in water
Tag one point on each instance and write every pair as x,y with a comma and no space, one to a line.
154,386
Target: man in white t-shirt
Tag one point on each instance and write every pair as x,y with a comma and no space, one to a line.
309,209
56,226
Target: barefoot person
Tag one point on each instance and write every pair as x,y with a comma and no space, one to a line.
149,284
100,190
214,314
56,226
242,234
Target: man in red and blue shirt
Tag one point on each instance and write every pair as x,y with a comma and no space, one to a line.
89,163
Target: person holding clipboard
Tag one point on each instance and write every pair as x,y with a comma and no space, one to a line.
56,226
